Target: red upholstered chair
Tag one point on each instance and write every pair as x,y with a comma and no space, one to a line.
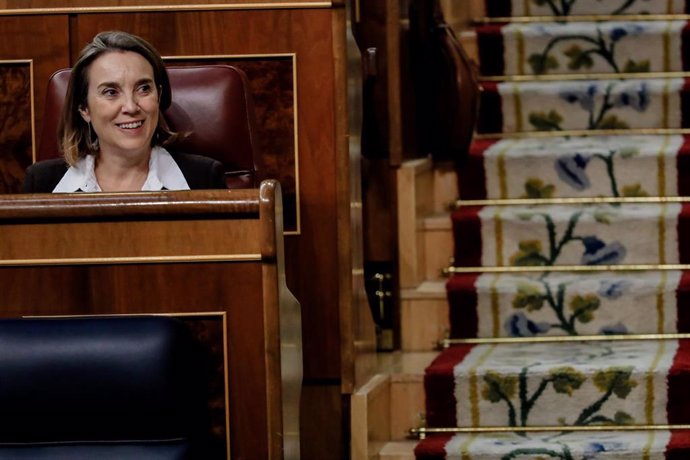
212,102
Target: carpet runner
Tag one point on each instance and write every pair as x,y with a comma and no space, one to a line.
579,167
657,103
599,110
652,445
583,47
557,304
506,8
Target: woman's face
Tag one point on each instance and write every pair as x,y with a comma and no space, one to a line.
122,104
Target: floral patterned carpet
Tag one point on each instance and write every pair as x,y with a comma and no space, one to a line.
599,108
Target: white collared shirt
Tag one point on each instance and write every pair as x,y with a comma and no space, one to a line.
164,174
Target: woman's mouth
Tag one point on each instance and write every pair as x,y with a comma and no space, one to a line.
130,125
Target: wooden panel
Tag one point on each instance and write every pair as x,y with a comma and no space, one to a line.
32,4
307,33
178,239
43,40
272,85
171,288
316,263
252,293
16,127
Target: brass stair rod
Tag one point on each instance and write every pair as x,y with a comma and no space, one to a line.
421,433
445,343
566,268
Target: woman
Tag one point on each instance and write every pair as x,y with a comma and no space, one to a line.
112,132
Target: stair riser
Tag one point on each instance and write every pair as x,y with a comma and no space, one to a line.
571,235
437,248
569,304
631,383
509,8
533,49
422,192
584,105
659,445
424,322
577,167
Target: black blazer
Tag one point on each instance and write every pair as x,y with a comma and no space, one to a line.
200,173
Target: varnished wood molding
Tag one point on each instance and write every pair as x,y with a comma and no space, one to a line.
166,8
108,205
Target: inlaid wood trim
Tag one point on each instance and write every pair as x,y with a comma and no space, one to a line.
30,63
166,8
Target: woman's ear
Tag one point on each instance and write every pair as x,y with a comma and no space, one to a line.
84,112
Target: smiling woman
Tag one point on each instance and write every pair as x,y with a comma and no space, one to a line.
112,133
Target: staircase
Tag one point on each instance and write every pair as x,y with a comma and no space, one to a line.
567,306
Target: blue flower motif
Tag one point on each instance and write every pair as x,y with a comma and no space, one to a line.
592,450
635,99
614,329
518,325
617,33
571,170
584,98
613,289
599,253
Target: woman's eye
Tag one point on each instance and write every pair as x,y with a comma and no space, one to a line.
109,92
145,89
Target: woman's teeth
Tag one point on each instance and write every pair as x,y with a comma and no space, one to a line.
134,124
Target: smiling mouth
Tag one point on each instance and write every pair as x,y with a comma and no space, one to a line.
131,125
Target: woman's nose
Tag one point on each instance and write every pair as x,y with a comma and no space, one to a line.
130,104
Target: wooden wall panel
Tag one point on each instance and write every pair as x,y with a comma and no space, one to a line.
159,289
311,257
317,262
73,4
271,81
44,42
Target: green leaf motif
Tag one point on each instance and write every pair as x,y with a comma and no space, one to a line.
602,217
612,122
535,188
637,66
634,190
623,418
528,297
578,58
584,307
567,379
529,254
546,121
617,379
498,387
542,64
628,152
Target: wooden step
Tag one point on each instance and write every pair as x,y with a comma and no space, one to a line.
385,408
437,237
398,450
424,316
424,195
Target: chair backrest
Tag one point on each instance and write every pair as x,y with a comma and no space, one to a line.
211,102
106,388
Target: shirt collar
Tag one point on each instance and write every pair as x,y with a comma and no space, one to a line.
164,174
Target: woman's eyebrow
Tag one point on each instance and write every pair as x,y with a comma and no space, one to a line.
117,85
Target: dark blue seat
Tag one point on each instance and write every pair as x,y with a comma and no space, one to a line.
102,388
